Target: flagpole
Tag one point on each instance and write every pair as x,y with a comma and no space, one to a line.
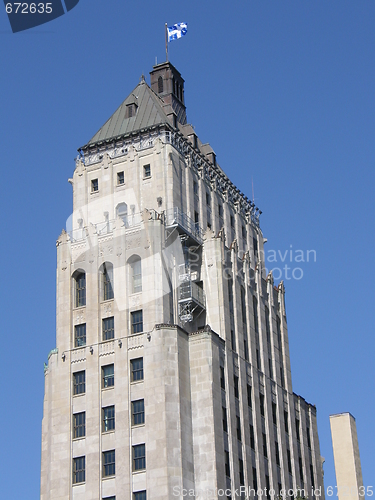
166,40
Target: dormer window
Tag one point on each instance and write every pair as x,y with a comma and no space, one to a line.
131,110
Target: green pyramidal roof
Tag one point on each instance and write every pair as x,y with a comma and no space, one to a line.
149,112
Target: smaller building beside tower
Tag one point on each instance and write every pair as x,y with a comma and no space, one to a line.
346,455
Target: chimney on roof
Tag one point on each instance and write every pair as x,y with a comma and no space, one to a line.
168,84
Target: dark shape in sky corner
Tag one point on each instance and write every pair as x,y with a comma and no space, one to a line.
22,16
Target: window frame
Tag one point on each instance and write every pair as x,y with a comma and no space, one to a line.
80,335
137,370
108,419
136,325
95,185
107,466
106,377
121,178
77,384
79,289
138,412
142,457
76,472
78,426
106,272
147,171
108,328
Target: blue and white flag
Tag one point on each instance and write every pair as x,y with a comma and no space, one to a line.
176,31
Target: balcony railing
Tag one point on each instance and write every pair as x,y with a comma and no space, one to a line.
191,291
175,217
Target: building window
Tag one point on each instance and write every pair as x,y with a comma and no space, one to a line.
79,425
108,422
264,445
94,185
80,335
297,429
225,421
138,412
120,178
236,392
136,369
227,467
79,470
108,376
196,218
110,498
255,481
255,247
308,437
289,461
146,171
277,453
122,212
139,495
258,359
249,395
109,463
238,427
136,271
286,421
79,382
139,457
222,377
255,312
195,188
274,413
137,321
160,85
232,221
108,328
107,281
80,289
261,403
252,440
220,211
233,340
208,200
242,479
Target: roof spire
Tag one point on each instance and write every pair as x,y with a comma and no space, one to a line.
142,80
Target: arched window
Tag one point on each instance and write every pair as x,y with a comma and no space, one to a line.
160,85
79,289
122,212
136,273
106,281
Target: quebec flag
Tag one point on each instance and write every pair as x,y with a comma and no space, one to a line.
176,31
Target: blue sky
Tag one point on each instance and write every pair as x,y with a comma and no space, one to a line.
284,93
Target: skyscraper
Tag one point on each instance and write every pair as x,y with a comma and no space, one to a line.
171,375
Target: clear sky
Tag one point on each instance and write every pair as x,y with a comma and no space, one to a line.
283,90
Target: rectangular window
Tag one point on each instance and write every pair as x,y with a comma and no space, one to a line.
289,461
79,425
110,498
227,467
225,421
255,481
233,340
80,289
94,185
236,393
222,377
195,188
139,457
286,421
109,328
136,366
249,402
274,413
270,368
252,440
108,376
208,200
255,247
109,463
308,437
255,312
107,282
238,427
79,383
231,221
79,470
137,321
242,479
120,178
196,217
146,171
138,412
80,335
258,359
108,422
139,495
220,211
264,445
261,403
301,470
297,429
277,453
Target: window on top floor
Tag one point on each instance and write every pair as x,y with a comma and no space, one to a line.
146,171
120,178
232,221
94,185
80,289
160,85
195,188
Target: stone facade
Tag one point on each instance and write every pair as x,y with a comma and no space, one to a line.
163,262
